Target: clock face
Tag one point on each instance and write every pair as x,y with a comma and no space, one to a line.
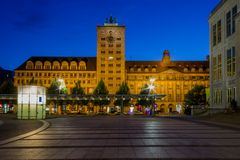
110,38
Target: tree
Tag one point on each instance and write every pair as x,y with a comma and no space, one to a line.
78,90
100,92
7,87
196,96
57,87
123,90
145,101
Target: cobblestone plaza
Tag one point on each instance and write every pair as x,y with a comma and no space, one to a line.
126,137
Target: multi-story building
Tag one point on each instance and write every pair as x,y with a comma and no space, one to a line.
173,78
224,24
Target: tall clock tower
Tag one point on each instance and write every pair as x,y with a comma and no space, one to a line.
111,54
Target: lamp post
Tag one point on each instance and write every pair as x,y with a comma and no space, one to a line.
151,88
61,85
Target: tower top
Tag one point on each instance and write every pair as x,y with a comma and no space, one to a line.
166,57
111,21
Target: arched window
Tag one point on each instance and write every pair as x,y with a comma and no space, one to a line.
47,65
193,69
131,69
139,69
38,65
154,69
56,65
185,69
200,70
29,65
64,65
146,70
73,65
82,66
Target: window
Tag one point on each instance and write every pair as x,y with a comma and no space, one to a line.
47,65
214,35
118,45
118,65
110,52
103,52
103,39
38,65
118,58
118,71
234,93
234,14
228,23
231,63
219,31
102,65
118,52
110,45
219,67
103,45
82,66
102,71
56,65
110,71
110,65
119,39
229,95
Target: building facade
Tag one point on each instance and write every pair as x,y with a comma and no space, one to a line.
173,78
224,24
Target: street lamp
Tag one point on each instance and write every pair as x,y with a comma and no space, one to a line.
61,85
151,88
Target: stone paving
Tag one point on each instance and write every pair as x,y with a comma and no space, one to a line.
126,138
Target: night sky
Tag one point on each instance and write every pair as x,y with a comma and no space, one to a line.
68,28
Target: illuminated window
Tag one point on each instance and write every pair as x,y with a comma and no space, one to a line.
64,65
231,63
47,65
82,66
38,65
73,65
56,65
30,65
154,69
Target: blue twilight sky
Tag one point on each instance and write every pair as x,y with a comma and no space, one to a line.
68,28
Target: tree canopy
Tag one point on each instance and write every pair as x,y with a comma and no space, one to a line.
7,87
57,87
123,90
145,101
196,96
101,91
77,89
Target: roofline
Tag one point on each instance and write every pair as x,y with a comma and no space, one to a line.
216,8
